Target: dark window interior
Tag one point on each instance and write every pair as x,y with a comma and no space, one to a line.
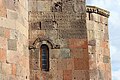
44,57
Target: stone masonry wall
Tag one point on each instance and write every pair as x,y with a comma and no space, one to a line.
76,51
98,43
14,55
60,24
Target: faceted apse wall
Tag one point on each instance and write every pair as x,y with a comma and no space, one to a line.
98,43
14,54
60,24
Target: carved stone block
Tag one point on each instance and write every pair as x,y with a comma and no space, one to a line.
2,33
65,53
12,44
106,59
92,42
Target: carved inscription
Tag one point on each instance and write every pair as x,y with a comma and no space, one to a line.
69,26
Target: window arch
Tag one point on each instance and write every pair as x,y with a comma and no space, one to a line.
44,57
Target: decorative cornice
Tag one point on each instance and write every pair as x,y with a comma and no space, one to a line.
94,9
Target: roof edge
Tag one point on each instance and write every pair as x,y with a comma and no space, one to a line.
97,10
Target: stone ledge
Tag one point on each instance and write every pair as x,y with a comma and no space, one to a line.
94,9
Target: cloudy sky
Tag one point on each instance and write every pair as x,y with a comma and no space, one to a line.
114,32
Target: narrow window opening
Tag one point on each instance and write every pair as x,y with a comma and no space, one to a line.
44,57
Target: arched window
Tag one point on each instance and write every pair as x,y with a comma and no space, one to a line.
44,57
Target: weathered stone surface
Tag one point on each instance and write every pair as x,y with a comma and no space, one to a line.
13,35
3,43
6,68
70,64
64,23
35,65
93,74
92,43
0,67
11,4
7,33
98,42
19,70
62,64
72,34
12,44
106,59
25,50
65,53
2,55
60,75
36,25
13,69
12,14
1,76
2,33
80,64
32,6
55,54
77,53
101,74
67,75
36,54
12,56
3,11
79,75
53,67
60,24
43,5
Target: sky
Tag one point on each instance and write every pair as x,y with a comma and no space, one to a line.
114,32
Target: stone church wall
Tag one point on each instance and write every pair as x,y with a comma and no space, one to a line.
98,43
78,41
14,55
61,24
